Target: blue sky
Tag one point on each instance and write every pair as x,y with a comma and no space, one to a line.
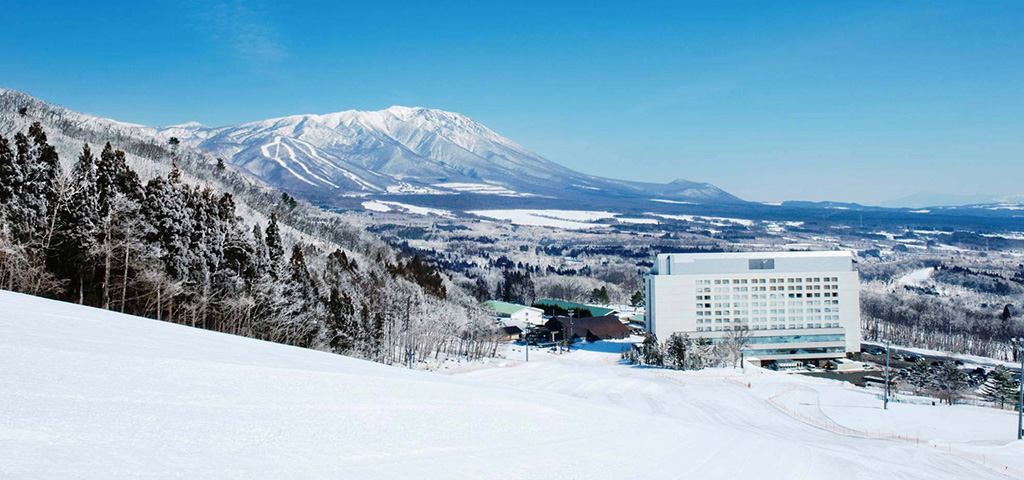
851,101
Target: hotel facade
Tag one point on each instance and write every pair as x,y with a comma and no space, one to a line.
795,305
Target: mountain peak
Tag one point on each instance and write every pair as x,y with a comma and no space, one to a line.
188,125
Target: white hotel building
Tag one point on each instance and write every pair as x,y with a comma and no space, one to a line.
796,305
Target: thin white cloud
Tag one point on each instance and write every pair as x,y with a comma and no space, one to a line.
244,28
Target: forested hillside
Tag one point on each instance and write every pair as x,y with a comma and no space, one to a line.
231,255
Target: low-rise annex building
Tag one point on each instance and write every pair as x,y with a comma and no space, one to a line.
794,305
513,314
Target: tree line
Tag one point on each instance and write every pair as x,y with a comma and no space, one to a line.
938,323
682,352
98,235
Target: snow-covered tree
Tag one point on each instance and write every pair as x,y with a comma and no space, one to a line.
677,349
652,351
950,382
78,222
275,246
1001,387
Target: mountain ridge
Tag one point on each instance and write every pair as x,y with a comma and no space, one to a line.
401,148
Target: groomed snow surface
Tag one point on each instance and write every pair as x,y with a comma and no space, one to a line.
93,394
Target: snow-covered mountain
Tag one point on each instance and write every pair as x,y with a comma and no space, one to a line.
399,150
406,150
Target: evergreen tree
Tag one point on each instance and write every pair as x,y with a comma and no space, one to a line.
422,274
950,382
11,182
920,376
517,287
44,175
75,240
299,299
342,320
676,349
275,247
168,224
259,245
32,185
1001,386
637,299
652,351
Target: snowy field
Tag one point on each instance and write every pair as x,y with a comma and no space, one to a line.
482,189
93,394
382,206
565,219
916,277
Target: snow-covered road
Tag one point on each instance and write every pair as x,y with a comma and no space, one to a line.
86,393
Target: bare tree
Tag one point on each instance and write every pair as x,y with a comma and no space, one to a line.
736,340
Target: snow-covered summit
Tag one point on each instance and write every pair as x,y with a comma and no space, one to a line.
377,150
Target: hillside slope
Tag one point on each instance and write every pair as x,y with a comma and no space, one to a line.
95,394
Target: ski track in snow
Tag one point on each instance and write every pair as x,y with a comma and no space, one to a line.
276,157
295,158
363,184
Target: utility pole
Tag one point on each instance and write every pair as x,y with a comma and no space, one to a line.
1018,343
572,314
885,404
885,398
1020,399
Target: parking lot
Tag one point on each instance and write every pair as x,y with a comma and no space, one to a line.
900,363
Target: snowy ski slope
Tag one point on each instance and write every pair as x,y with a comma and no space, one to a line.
86,393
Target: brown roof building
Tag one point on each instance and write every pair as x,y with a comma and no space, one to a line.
591,328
